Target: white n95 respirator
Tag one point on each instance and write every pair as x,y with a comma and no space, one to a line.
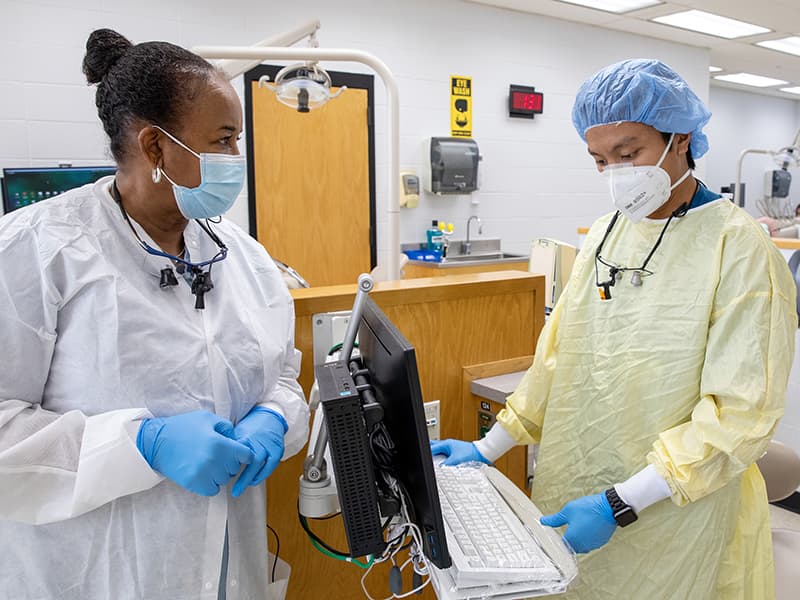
638,191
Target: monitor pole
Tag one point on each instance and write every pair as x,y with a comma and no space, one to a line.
317,494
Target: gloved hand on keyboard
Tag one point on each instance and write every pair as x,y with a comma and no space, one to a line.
589,520
458,452
196,450
262,431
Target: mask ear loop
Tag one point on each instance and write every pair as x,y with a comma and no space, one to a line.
683,177
177,141
182,145
680,180
666,150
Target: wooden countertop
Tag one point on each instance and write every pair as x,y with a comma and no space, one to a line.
321,299
787,243
498,387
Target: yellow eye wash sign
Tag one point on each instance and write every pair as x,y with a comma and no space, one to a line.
460,106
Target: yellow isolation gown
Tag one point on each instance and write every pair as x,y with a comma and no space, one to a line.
688,373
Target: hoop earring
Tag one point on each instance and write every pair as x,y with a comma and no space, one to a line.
157,175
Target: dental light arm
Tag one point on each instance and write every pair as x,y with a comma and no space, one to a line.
784,156
737,194
234,67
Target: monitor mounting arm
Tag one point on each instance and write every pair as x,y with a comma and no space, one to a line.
318,495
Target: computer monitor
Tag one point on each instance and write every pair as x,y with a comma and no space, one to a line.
358,428
25,186
553,259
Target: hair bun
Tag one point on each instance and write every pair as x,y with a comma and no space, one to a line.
103,49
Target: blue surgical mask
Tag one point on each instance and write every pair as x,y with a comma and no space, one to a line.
221,180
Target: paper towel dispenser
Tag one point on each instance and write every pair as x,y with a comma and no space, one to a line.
453,166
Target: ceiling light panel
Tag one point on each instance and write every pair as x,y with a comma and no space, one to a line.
713,69
751,80
614,6
790,45
792,90
703,22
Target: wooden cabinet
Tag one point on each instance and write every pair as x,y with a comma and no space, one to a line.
452,322
475,409
411,271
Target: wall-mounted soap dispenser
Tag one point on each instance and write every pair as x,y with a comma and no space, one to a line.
453,166
409,189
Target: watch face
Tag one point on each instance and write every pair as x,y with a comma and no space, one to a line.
625,517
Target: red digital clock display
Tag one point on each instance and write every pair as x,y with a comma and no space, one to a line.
524,101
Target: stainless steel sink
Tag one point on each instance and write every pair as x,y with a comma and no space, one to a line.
482,252
484,257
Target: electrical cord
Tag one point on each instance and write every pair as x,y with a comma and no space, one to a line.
336,347
328,518
277,551
383,453
328,550
398,538
344,558
416,559
314,537
382,447
407,528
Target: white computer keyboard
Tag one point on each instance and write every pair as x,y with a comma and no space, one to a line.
486,538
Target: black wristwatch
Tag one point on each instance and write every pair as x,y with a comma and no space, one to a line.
624,514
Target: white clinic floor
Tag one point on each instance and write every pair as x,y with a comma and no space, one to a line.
780,518
786,552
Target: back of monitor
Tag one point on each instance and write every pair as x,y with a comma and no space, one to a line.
554,260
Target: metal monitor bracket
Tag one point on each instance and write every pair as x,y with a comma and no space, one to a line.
318,494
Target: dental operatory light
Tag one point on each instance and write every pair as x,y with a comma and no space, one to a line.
787,157
302,86
236,60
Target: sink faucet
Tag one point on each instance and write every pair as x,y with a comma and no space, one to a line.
466,246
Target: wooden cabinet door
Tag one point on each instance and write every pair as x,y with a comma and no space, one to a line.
310,184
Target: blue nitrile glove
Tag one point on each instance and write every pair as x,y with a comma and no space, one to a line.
457,452
196,450
262,431
589,520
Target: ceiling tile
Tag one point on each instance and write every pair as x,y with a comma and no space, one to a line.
782,16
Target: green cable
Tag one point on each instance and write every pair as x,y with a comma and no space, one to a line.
339,346
358,563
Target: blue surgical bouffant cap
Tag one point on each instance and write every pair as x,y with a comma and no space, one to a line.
642,91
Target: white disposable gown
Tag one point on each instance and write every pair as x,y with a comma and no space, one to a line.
92,345
686,372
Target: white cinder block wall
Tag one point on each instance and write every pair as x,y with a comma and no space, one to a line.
745,120
536,178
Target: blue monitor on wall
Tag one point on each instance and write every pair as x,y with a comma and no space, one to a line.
22,187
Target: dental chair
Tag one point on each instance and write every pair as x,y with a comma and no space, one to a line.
380,273
794,267
780,467
291,278
553,259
